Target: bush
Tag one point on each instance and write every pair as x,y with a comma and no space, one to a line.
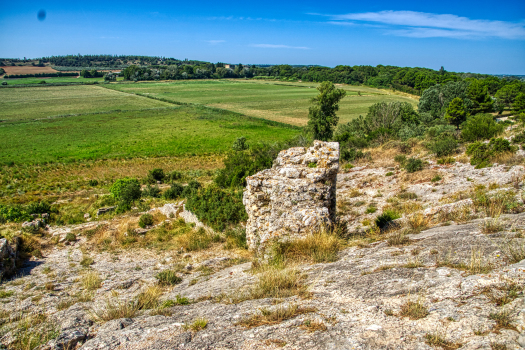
146,220
401,159
119,185
443,147
192,187
413,164
351,154
236,238
168,278
519,139
155,175
151,191
38,208
384,219
93,182
14,213
480,127
481,153
217,207
70,237
174,192
173,176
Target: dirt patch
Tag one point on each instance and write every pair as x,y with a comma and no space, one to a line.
27,70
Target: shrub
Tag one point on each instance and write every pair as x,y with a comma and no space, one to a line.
413,164
168,278
446,160
480,127
217,207
443,147
401,159
191,188
155,175
436,178
93,182
174,176
126,191
146,220
351,154
174,192
236,238
151,191
14,213
240,144
481,153
70,237
383,220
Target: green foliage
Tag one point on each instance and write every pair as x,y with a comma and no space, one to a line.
478,93
413,164
168,278
456,112
240,144
236,237
155,175
217,207
481,153
70,237
436,178
519,103
39,208
383,220
401,159
151,191
93,183
480,127
322,119
436,99
145,220
351,154
507,94
519,139
14,213
174,192
443,146
191,188
119,185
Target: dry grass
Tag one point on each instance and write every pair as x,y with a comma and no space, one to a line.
414,310
489,226
504,319
508,158
312,326
418,222
149,299
278,315
514,250
504,293
198,324
113,310
91,280
274,282
478,263
460,215
397,238
439,340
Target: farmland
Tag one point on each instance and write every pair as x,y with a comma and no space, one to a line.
283,102
27,70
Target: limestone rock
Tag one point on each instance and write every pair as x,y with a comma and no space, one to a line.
8,255
295,196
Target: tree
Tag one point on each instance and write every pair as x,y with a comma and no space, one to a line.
321,117
507,94
519,103
478,93
456,112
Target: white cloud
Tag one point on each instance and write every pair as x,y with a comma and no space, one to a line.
429,25
272,46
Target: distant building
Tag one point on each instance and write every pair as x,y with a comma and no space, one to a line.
231,66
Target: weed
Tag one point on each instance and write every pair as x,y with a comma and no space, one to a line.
146,220
168,278
65,304
503,318
389,312
439,340
70,237
407,195
6,293
498,346
389,173
50,286
278,315
412,264
370,210
198,324
418,222
274,282
436,178
514,250
414,310
178,301
312,326
91,280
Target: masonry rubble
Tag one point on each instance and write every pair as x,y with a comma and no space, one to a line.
294,197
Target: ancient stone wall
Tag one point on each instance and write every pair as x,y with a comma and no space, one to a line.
295,196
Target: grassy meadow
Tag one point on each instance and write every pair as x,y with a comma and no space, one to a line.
272,100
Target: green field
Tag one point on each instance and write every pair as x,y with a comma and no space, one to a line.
283,102
21,104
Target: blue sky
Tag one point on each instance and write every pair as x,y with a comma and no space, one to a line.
464,36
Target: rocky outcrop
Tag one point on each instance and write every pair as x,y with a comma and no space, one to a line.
8,255
293,197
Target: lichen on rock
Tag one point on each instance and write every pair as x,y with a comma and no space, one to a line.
294,197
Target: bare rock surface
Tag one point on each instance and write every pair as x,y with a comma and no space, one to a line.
295,196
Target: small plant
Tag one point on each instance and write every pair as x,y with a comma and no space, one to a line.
397,238
389,312
168,278
413,164
174,192
87,261
312,326
491,226
384,220
312,165
446,160
91,280
401,159
269,317
70,237
146,220
503,318
389,173
198,324
49,286
436,178
178,301
149,298
414,310
498,346
438,340
93,183
371,210
6,293
113,310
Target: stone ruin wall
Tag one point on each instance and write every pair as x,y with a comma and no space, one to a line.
296,196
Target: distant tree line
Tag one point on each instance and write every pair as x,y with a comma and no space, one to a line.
41,75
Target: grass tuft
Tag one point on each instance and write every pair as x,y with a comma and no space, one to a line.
278,315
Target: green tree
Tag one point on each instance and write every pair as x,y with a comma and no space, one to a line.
519,103
507,94
456,112
480,127
321,117
478,93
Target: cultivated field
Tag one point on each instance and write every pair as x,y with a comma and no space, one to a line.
27,70
21,104
278,101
